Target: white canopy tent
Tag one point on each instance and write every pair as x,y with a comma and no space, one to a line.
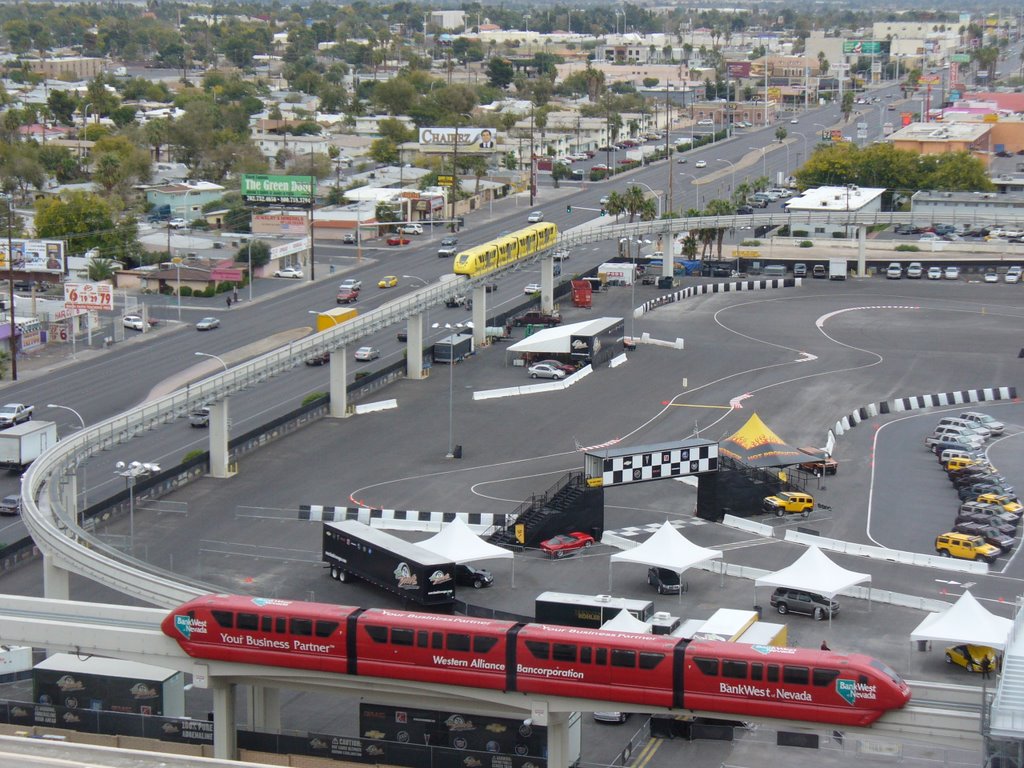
624,621
555,340
814,572
667,549
459,544
967,622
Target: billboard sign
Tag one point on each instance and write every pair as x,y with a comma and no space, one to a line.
960,58
33,255
737,69
468,138
281,190
89,296
862,47
906,118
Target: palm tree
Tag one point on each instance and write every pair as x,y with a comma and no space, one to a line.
635,200
616,204
720,208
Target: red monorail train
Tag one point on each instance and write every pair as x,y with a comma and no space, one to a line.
616,667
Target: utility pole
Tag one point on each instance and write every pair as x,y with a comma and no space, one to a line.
10,286
668,156
455,175
312,201
533,162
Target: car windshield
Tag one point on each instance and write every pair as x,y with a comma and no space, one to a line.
562,539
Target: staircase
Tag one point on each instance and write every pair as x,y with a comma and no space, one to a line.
1007,716
533,514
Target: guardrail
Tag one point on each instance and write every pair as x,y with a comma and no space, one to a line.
58,536
891,555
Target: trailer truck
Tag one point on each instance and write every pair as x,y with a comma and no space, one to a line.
22,444
333,317
353,550
837,269
453,349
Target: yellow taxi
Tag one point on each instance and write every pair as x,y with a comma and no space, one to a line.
970,657
388,281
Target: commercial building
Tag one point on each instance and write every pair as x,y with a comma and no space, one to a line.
834,200
185,200
957,206
940,138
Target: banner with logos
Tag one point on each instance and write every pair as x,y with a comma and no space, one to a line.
89,296
467,138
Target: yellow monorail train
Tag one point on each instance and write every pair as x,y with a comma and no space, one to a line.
505,250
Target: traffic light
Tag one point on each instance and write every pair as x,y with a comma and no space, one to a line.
603,212
568,209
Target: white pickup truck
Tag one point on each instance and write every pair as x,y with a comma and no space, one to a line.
15,413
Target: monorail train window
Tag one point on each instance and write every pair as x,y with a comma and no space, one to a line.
247,621
563,652
601,656
734,669
303,627
585,654
538,649
325,628
707,666
885,669
437,641
484,643
281,625
651,660
402,636
266,623
623,658
756,670
773,673
824,677
795,675
458,641
376,632
422,638
224,619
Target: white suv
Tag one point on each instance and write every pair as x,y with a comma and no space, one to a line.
411,229
894,271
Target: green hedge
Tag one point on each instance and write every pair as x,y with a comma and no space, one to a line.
907,247
806,244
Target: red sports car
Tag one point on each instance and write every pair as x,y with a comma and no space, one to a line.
565,544
398,240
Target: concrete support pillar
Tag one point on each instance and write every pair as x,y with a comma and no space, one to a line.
219,439
264,708
862,233
547,283
338,377
479,314
225,736
413,347
56,580
668,264
563,738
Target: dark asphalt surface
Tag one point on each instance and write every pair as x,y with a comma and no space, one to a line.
243,534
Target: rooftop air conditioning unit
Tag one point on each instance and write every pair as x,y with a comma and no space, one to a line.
603,598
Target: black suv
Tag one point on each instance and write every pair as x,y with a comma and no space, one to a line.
664,580
468,576
786,600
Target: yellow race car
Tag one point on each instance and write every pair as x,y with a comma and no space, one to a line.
970,657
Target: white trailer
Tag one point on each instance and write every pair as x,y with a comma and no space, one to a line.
22,444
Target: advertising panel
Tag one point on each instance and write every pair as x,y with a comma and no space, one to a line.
468,138
261,188
737,69
89,296
279,224
862,47
34,255
905,119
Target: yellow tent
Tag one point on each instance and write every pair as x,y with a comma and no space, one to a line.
756,445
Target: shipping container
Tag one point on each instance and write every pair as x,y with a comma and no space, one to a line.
333,317
591,611
113,685
22,444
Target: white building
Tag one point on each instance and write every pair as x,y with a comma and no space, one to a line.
850,198
447,19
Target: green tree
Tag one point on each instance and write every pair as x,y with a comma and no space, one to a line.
847,105
395,96
720,208
781,133
616,204
499,72
84,219
259,250
635,199
101,269
62,105
559,171
384,150
954,171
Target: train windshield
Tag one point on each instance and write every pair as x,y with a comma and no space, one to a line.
888,671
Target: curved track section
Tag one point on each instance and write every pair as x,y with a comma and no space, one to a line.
66,545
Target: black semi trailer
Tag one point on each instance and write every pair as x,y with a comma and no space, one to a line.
354,550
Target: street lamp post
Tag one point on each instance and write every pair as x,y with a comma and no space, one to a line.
10,287
696,188
451,395
131,473
732,188
85,488
250,270
656,195
764,160
215,357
